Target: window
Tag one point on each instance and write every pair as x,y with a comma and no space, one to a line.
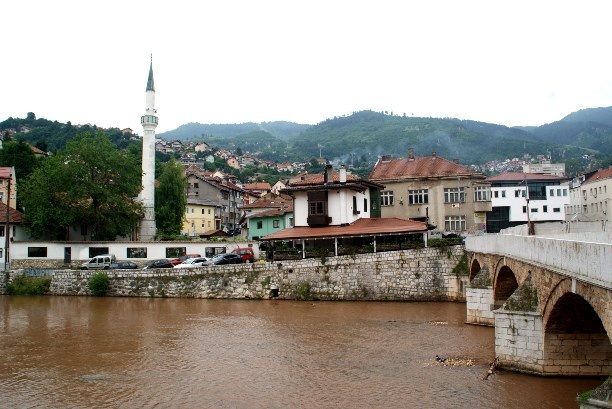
355,211
552,192
519,193
192,210
196,185
454,195
556,209
482,194
96,251
136,252
37,252
365,205
1,231
317,208
454,223
209,223
545,209
524,209
533,210
386,198
420,196
495,194
275,224
208,211
565,192
291,221
202,211
174,252
2,197
558,192
503,193
260,224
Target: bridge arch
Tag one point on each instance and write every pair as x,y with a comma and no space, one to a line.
504,285
474,269
575,339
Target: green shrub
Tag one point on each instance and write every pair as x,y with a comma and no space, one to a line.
302,291
461,269
98,284
445,242
22,285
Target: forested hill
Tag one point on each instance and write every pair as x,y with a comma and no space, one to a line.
194,130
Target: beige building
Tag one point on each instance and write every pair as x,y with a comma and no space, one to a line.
545,168
8,182
201,216
591,198
441,192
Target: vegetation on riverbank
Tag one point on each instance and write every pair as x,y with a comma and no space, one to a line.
23,285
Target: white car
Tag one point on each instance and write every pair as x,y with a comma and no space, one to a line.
192,262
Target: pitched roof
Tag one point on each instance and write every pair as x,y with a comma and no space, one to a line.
599,175
15,216
272,212
519,176
257,186
316,181
361,227
270,200
417,167
5,172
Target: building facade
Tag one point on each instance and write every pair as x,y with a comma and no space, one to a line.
201,216
520,198
590,197
432,189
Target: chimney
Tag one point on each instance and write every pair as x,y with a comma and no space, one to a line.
386,158
326,174
456,161
411,154
342,174
433,155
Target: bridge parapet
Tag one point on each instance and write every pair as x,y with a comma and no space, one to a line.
586,261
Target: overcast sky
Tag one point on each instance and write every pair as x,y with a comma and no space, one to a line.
505,62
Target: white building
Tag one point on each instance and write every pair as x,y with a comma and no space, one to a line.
519,198
545,168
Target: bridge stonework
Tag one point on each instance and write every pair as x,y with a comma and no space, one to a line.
564,329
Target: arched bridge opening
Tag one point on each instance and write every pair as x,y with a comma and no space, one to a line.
505,284
575,340
474,269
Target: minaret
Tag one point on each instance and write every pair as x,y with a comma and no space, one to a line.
147,195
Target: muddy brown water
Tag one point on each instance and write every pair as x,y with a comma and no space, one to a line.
80,352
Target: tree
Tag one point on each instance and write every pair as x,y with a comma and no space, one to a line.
170,200
20,155
89,183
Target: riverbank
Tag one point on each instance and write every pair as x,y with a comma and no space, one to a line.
416,275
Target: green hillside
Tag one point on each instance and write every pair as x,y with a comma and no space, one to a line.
194,130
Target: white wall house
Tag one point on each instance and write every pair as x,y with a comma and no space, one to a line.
518,198
331,199
591,197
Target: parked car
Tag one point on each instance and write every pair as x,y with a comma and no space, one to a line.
161,263
192,262
101,262
181,259
123,265
225,258
246,253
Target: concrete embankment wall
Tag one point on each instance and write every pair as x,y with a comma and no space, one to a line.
423,274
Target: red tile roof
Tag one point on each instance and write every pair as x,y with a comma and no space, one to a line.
15,216
270,200
599,175
257,186
361,227
5,171
518,176
318,179
418,167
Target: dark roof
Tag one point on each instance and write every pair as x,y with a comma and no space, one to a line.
519,176
270,200
15,216
316,181
361,227
417,167
150,85
600,175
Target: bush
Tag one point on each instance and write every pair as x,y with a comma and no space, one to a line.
23,285
445,242
303,291
98,284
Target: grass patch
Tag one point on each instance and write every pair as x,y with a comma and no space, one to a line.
302,291
22,285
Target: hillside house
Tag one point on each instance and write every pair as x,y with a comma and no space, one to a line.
434,190
591,198
267,215
201,217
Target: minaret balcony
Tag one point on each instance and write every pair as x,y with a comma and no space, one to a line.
148,119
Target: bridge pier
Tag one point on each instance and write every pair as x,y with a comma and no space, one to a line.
480,305
523,344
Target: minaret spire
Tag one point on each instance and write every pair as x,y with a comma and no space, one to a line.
147,195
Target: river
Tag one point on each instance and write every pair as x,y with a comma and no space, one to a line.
82,352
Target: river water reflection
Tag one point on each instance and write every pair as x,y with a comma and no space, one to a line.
81,352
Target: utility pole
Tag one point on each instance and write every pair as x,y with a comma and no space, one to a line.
7,226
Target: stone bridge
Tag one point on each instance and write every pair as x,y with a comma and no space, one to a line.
549,299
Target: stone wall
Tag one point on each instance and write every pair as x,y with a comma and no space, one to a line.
577,354
519,341
421,274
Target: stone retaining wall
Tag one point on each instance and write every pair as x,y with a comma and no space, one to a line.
421,274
